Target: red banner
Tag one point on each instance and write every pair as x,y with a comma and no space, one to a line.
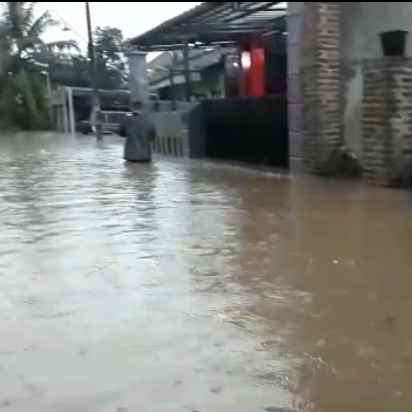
257,72
252,71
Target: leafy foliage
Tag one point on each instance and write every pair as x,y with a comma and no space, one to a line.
74,70
22,97
108,48
24,55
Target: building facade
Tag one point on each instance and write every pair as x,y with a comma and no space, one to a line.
207,77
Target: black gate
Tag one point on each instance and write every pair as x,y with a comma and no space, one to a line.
245,130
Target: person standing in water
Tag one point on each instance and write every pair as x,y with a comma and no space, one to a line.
139,132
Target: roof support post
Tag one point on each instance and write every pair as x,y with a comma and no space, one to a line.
71,113
65,111
186,71
172,90
138,82
175,61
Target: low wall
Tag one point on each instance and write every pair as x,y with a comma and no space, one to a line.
171,121
249,130
171,134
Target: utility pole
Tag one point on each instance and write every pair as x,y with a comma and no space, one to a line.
95,100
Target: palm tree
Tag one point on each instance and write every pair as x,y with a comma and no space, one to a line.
22,90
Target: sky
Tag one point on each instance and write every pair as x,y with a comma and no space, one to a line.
132,17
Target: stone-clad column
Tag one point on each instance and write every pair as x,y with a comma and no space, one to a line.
314,83
138,80
295,104
387,121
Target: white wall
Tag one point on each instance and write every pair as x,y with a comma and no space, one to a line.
361,24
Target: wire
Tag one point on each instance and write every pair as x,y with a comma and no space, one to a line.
67,26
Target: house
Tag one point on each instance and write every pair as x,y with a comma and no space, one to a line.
206,71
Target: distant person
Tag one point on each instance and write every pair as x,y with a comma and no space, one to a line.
139,132
99,121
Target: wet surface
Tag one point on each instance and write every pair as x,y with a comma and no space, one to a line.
195,287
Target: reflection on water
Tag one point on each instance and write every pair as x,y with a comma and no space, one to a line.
218,288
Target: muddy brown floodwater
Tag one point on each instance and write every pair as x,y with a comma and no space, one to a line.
185,286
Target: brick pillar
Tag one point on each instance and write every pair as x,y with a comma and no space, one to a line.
387,121
314,82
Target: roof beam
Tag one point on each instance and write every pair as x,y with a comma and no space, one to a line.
250,13
226,10
194,30
213,22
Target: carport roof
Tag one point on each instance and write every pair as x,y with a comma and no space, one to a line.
214,23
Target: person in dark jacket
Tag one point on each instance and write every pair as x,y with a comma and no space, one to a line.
139,132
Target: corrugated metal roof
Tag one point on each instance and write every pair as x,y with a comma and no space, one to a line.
213,23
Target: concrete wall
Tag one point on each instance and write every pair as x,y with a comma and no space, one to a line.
361,24
171,134
172,130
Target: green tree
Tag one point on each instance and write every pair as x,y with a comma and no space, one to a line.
69,70
22,90
110,64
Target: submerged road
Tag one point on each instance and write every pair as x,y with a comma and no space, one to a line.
186,286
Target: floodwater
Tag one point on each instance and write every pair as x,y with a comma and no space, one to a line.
185,286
